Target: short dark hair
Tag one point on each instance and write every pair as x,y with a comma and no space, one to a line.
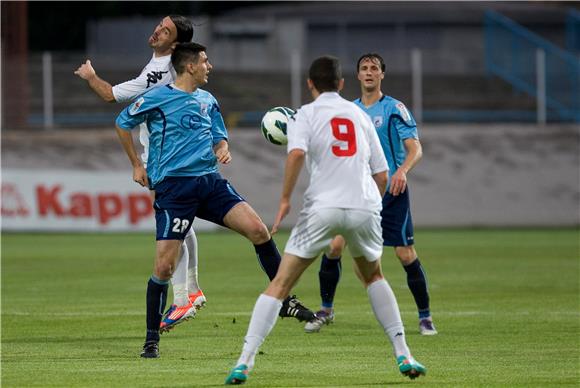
184,28
371,56
184,53
325,73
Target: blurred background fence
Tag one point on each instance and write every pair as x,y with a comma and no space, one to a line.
474,62
534,66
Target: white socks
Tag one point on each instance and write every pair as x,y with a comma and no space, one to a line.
179,278
263,320
386,311
184,279
191,243
382,301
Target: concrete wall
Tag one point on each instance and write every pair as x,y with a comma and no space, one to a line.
470,175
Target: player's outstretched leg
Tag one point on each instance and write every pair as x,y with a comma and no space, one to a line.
244,220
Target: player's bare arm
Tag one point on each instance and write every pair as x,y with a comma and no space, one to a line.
139,172
222,152
101,87
381,179
398,183
294,164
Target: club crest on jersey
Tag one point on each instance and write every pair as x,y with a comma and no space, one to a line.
203,109
404,112
378,121
136,105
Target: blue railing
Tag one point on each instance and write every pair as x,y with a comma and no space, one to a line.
573,30
510,53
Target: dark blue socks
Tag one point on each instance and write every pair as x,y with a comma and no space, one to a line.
156,299
417,282
329,275
269,257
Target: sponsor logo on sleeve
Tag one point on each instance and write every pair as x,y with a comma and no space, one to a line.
154,76
136,105
404,112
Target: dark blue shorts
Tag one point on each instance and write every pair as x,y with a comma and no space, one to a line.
396,220
178,200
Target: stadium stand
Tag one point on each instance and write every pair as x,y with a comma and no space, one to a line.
250,53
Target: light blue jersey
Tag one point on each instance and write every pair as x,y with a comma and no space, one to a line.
183,128
394,123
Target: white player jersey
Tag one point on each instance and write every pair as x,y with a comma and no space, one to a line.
343,151
158,72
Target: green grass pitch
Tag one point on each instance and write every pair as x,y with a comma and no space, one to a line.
506,304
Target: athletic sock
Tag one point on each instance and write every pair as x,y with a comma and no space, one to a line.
269,257
263,320
191,244
179,278
329,275
417,282
156,299
386,311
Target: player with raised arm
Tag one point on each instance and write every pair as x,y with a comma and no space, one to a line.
399,138
188,138
348,175
171,30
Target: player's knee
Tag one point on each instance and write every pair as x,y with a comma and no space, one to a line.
165,264
257,232
406,254
372,273
372,278
368,272
163,270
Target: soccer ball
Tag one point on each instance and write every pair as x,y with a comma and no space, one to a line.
274,124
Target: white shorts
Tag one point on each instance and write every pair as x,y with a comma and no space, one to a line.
316,228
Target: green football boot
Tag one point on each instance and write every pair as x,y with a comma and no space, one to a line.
410,368
238,375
